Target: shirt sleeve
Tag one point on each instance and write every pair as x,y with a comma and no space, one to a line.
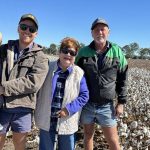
122,80
81,100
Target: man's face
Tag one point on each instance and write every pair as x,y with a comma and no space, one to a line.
100,33
27,32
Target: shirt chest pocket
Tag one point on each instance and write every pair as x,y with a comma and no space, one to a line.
111,68
89,64
25,67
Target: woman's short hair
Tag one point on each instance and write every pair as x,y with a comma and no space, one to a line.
69,42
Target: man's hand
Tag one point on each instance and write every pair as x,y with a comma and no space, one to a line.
1,90
119,109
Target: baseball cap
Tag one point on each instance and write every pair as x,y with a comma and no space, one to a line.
99,21
30,17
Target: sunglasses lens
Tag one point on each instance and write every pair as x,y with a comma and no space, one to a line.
32,29
72,53
24,27
66,51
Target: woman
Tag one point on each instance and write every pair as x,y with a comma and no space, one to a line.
61,99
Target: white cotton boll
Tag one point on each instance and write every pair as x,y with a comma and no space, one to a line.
134,125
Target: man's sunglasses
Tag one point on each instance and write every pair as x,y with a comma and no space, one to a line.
24,27
71,52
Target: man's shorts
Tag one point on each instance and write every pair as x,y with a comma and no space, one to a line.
19,122
103,115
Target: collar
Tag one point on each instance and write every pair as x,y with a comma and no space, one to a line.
59,69
16,45
92,45
28,48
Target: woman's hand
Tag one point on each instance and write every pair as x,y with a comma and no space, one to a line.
63,113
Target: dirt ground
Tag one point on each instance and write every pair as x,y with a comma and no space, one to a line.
97,138
139,63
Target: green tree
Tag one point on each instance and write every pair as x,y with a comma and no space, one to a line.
144,53
131,50
46,50
53,49
82,45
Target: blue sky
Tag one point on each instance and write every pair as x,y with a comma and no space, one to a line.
129,20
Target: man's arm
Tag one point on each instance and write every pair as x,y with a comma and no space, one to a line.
121,85
29,83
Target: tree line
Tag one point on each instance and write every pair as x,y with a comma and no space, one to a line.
131,50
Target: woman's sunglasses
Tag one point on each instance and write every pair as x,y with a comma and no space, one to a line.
71,52
24,27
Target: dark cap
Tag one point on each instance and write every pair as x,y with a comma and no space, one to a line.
99,21
29,17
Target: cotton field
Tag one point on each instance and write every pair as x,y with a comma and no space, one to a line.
133,125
